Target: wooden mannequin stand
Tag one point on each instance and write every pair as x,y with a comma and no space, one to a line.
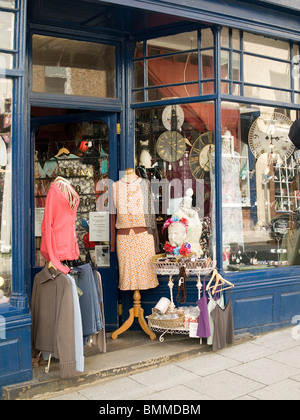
136,312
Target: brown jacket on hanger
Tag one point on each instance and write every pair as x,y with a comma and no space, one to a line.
53,318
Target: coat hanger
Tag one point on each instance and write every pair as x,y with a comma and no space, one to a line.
51,265
219,281
62,151
215,271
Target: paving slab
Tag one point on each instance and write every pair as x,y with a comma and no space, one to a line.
207,365
284,390
251,351
265,371
164,377
224,385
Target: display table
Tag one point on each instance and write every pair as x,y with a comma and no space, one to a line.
171,266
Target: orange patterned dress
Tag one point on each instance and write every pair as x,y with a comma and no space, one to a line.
134,250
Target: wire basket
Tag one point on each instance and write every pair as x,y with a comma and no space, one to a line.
165,323
163,265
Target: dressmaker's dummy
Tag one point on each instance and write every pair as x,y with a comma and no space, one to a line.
145,157
66,188
194,229
135,241
232,217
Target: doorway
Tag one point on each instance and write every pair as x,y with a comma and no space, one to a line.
81,147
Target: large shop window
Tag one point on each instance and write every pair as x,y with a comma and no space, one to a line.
260,189
173,149
78,152
70,67
6,86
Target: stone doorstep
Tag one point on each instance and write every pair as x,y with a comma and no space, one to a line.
44,384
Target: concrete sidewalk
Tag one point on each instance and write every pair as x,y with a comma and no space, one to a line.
265,367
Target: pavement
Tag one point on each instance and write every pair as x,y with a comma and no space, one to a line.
264,367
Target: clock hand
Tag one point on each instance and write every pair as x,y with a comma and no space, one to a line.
206,164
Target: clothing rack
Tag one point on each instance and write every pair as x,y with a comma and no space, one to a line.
73,265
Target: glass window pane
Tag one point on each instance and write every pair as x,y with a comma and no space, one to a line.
207,64
260,188
235,39
78,152
69,67
5,190
139,50
138,96
172,91
236,66
138,74
266,72
6,61
224,64
270,94
173,43
173,69
296,67
207,38
270,47
225,37
8,3
174,146
7,24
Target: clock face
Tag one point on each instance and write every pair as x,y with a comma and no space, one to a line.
269,134
170,146
200,152
172,111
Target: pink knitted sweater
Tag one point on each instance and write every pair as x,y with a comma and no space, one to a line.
59,241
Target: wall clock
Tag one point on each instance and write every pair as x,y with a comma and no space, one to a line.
200,152
269,134
170,115
170,146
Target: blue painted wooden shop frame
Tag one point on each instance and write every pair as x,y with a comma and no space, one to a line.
262,300
15,344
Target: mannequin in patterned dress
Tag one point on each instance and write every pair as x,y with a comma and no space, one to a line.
135,245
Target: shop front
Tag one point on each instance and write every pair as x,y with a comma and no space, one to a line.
199,100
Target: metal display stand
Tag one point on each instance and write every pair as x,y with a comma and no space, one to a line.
199,267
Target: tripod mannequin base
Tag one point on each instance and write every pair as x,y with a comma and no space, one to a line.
136,312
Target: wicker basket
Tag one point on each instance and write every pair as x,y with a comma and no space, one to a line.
165,323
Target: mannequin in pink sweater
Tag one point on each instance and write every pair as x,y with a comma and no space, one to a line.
59,241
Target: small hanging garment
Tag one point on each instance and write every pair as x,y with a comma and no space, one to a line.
203,329
213,301
181,288
223,322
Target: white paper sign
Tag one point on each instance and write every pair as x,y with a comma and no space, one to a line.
99,226
102,254
39,215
